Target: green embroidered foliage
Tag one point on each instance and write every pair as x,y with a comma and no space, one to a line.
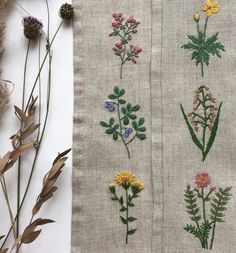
205,116
127,126
219,203
202,48
191,201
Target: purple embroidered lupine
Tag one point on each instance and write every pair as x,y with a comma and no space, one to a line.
109,105
124,30
196,199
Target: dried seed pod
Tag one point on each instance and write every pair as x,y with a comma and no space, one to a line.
66,11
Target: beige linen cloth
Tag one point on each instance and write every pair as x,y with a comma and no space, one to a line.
167,160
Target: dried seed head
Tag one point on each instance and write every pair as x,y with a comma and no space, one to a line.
32,27
66,11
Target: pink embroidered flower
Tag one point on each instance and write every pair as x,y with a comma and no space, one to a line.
117,16
119,45
131,20
115,24
202,180
137,50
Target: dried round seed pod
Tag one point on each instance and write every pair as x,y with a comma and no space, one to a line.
66,11
32,27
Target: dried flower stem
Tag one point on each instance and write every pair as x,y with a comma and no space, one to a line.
19,161
5,193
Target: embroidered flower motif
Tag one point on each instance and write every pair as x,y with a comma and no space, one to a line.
109,106
202,180
201,46
124,178
124,31
126,127
210,7
205,225
132,187
205,115
32,27
138,185
127,131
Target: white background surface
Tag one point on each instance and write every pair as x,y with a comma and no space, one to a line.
54,237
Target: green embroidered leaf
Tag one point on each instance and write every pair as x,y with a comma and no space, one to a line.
104,124
123,110
114,198
116,126
124,221
121,200
132,231
141,121
116,90
136,108
112,121
126,120
109,131
132,116
135,125
112,96
205,230
131,219
131,204
219,204
194,39
129,107
122,101
142,129
141,136
191,200
123,209
191,131
192,230
122,92
115,136
213,134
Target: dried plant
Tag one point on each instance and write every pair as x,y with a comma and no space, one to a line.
30,135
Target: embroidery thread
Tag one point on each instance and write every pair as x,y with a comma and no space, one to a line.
205,116
205,226
201,46
125,31
128,126
132,187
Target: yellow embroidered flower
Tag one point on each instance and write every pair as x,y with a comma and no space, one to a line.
196,17
124,178
138,184
210,7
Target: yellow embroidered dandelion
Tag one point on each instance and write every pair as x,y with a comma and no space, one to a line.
124,178
197,17
210,7
138,184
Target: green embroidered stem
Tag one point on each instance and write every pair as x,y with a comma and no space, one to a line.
120,123
127,216
205,29
204,215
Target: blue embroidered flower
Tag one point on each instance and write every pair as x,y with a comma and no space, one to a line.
126,132
109,105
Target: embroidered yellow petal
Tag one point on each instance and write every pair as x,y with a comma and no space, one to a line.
124,178
214,4
215,10
208,13
204,8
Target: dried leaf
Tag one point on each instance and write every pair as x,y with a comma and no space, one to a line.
28,131
4,251
30,237
15,154
20,114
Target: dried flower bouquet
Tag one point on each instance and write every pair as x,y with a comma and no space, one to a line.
30,134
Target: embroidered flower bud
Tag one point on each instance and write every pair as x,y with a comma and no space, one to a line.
137,50
119,45
213,188
196,17
112,188
66,11
134,61
109,105
32,27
